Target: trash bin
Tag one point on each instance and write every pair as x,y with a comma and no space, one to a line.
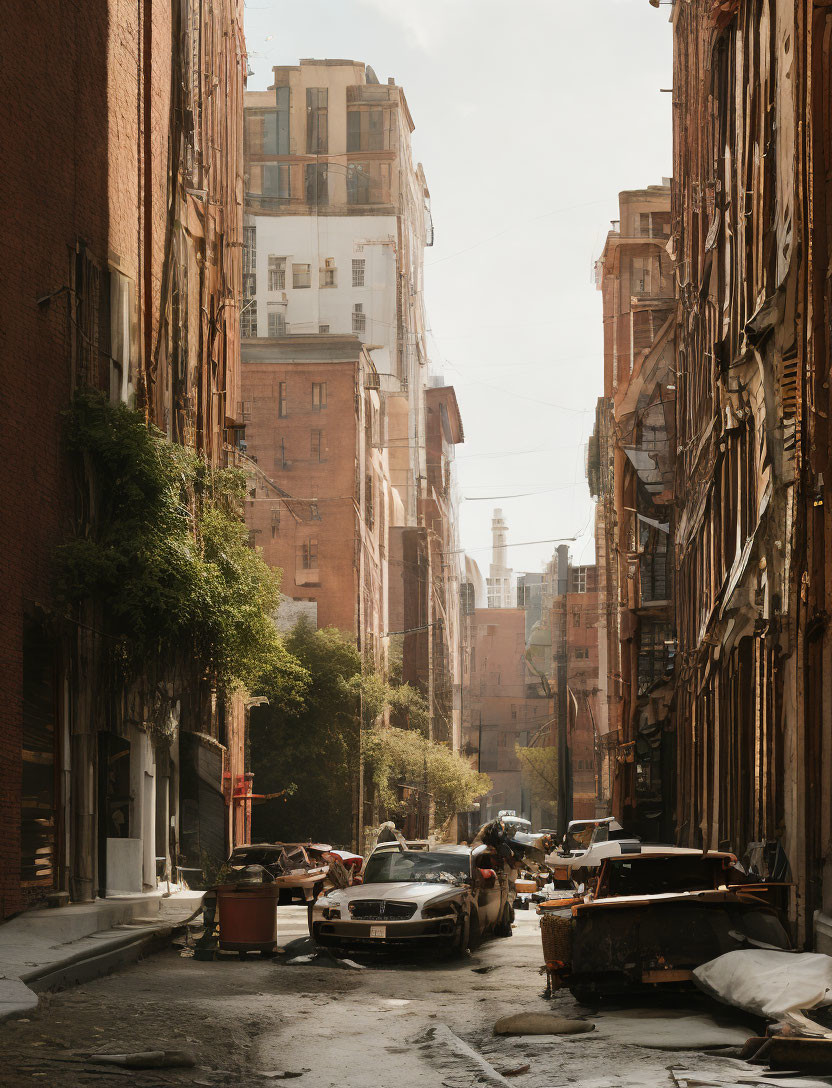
248,917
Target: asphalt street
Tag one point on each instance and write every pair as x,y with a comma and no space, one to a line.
418,1021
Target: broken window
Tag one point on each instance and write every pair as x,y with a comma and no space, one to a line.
318,396
317,183
358,267
317,139
329,273
277,273
282,406
359,318
640,276
301,275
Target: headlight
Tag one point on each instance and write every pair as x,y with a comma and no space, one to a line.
330,913
440,910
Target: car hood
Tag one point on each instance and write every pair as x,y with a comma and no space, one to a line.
411,892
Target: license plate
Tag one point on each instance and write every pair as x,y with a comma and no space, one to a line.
378,931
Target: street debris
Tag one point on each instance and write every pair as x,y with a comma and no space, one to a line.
781,986
540,1023
734,1075
148,1059
443,1034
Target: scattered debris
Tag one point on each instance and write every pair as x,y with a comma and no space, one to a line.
149,1059
780,986
514,1070
443,1034
484,970
540,1023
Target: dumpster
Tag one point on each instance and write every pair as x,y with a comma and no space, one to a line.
248,917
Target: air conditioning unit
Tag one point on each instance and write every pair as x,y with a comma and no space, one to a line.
329,262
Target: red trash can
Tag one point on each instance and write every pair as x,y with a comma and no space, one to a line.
248,917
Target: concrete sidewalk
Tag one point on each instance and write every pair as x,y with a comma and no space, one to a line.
61,946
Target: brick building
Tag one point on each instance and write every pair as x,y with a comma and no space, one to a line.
320,502
751,234
630,466
337,220
120,181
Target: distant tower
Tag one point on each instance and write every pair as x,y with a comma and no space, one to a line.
499,579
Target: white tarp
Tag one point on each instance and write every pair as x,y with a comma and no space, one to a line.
778,985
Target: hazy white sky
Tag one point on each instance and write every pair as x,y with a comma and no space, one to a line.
530,117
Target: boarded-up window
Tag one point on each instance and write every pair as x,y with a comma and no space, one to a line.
309,553
318,396
317,184
368,130
318,445
282,403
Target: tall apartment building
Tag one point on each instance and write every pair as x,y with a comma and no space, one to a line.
630,466
337,219
751,233
319,507
122,172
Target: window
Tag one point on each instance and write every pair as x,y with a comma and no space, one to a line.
576,618
579,579
359,318
282,407
323,328
317,184
261,132
275,180
275,516
640,275
358,267
249,285
370,516
249,250
368,130
314,512
309,553
368,183
318,445
318,396
329,273
301,275
277,273
282,96
248,318
316,120
277,321
281,460
582,653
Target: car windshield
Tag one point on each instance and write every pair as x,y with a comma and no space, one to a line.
391,866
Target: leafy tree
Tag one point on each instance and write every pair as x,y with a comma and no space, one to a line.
317,748
540,776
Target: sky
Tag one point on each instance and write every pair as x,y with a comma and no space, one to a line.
530,117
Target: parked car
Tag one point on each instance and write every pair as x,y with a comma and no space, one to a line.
301,870
654,917
445,897
585,845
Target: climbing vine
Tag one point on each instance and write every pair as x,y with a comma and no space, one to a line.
160,551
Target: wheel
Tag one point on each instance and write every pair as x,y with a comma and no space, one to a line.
584,995
503,926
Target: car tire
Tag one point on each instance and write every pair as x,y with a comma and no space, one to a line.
585,995
502,927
